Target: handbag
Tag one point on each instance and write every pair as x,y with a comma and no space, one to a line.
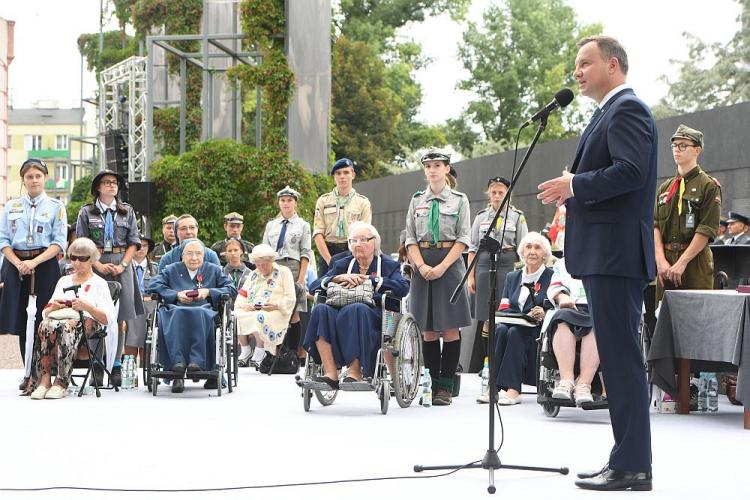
284,362
337,295
64,314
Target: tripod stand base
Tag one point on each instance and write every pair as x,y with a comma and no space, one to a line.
491,462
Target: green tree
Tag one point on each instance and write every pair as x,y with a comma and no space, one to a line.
79,196
367,36
699,86
518,59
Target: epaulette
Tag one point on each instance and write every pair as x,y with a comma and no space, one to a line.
418,193
516,210
485,209
459,193
360,195
716,181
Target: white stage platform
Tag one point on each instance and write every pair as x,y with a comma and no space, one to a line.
260,435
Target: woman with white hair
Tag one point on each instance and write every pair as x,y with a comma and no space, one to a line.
350,336
191,290
264,305
60,331
524,292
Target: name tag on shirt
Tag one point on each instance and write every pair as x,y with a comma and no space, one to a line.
690,221
421,210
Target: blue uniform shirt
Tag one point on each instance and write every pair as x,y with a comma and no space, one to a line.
49,226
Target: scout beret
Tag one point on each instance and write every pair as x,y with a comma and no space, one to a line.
342,163
691,134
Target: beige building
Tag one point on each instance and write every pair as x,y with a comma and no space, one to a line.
46,133
6,57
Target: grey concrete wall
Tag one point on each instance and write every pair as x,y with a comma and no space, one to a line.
726,157
309,55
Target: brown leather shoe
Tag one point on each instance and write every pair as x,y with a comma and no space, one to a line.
442,398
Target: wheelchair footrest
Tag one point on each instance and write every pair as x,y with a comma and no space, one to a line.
597,404
361,386
313,385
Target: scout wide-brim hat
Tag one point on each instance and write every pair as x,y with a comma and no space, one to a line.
98,179
263,251
151,244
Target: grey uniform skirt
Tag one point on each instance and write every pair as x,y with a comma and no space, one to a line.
429,301
130,303
293,266
482,274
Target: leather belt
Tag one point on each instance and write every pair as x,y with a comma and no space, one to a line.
339,247
439,244
675,247
116,250
509,249
29,254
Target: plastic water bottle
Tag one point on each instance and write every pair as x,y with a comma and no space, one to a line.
128,372
426,384
136,369
712,392
703,392
125,373
486,377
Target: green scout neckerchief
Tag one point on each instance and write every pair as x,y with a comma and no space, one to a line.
433,221
341,226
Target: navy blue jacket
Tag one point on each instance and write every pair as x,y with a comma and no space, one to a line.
609,228
513,288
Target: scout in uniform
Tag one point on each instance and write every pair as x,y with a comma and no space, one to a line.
737,225
515,230
334,212
111,225
233,224
437,232
32,232
289,234
169,240
686,219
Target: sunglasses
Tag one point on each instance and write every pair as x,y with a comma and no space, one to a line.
82,258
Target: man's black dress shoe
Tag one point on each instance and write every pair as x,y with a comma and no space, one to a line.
178,385
211,383
193,367
179,369
591,473
617,480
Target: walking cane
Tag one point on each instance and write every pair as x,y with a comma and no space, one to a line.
30,321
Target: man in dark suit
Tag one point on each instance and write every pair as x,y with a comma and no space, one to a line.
609,245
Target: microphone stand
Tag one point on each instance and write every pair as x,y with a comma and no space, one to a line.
491,460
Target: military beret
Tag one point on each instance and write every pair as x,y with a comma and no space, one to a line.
501,180
342,163
233,217
169,219
288,191
737,217
691,134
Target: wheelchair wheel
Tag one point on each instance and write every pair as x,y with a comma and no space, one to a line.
550,410
408,362
385,395
326,398
306,397
146,364
154,385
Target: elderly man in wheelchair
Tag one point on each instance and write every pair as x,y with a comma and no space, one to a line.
192,293
565,327
348,328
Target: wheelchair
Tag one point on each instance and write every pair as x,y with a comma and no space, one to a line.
401,337
548,373
226,350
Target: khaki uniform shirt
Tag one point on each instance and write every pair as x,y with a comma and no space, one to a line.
515,230
327,215
701,209
454,221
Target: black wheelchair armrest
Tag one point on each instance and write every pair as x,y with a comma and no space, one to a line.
390,302
320,297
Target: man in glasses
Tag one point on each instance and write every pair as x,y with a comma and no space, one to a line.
686,219
185,228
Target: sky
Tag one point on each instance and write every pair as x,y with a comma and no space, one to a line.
48,65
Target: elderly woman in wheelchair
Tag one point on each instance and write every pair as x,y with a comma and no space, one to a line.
191,292
569,325
351,335
81,294
264,306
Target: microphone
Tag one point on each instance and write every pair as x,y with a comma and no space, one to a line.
562,98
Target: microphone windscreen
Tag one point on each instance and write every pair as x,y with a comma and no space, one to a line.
564,97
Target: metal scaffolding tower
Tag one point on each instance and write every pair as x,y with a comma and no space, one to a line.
122,107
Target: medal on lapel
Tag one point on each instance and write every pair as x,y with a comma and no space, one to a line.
199,278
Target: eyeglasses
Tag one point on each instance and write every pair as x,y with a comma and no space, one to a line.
109,183
82,258
682,146
360,241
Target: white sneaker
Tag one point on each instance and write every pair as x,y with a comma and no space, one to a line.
484,398
55,392
563,390
39,392
583,394
258,354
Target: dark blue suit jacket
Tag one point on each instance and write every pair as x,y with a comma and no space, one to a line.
609,228
513,288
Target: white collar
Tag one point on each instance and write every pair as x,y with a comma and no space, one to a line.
612,93
531,278
102,207
37,200
143,263
193,273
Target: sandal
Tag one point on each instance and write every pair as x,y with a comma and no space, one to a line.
333,384
351,380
